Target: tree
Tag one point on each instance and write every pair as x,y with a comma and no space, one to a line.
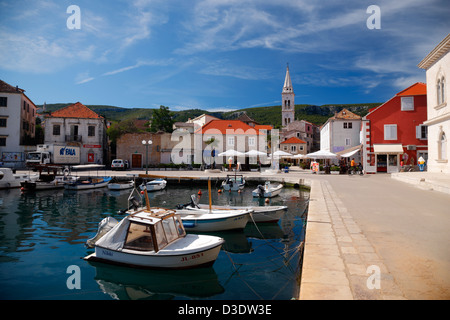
162,120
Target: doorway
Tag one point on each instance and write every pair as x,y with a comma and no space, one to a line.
381,162
136,160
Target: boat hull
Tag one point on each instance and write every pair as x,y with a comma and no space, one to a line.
155,185
79,185
266,214
211,222
41,185
205,254
272,192
121,186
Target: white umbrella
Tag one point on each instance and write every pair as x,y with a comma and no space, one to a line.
299,156
280,153
231,153
322,154
255,153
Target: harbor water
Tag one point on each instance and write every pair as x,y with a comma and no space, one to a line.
43,236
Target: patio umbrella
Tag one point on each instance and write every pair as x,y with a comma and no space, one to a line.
280,153
322,154
300,156
255,153
231,153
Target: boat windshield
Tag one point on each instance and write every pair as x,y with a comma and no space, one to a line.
139,237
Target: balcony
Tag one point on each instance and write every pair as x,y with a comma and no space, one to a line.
73,138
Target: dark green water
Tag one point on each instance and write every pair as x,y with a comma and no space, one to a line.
43,233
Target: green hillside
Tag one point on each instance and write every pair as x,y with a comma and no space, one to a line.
263,115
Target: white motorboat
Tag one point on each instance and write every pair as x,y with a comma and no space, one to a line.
8,179
89,183
154,185
153,238
45,182
120,185
260,214
233,182
204,220
269,190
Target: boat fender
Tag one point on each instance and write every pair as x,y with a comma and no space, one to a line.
199,192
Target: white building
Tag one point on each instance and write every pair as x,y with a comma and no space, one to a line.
17,125
341,132
287,101
77,125
437,66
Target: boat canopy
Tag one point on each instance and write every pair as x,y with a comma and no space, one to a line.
144,231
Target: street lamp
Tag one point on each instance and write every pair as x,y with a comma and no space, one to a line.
146,144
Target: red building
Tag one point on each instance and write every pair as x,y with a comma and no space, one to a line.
393,133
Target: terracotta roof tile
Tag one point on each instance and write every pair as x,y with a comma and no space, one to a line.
263,127
346,115
76,110
416,89
223,125
293,140
5,87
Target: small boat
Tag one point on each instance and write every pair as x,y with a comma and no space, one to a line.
45,182
89,183
233,182
8,179
154,185
153,238
204,220
260,214
269,190
115,184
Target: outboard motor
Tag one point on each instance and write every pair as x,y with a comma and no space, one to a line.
134,204
261,191
194,202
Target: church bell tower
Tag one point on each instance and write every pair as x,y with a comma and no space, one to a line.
287,101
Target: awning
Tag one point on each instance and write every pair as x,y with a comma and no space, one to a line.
388,148
349,152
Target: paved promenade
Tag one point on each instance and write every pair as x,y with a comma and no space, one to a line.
358,226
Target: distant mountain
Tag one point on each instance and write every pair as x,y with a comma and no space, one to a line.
264,115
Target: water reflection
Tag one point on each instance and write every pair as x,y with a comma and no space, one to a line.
42,233
120,283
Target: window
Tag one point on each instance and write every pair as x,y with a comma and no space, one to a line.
348,125
56,129
3,122
293,148
231,141
422,132
390,132
407,104
442,147
2,141
347,141
438,92
139,237
91,131
440,89
251,141
3,101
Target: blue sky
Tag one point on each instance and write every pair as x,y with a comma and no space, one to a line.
216,54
